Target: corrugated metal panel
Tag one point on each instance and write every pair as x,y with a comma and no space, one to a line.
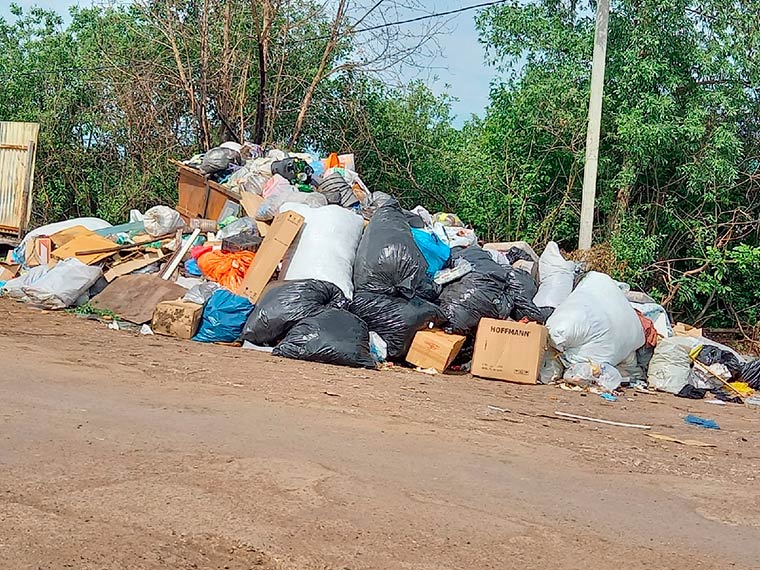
15,139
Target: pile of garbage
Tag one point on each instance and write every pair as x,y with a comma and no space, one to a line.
316,266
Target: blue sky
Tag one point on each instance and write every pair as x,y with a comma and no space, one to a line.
460,69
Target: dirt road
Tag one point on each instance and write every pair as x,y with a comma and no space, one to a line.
126,452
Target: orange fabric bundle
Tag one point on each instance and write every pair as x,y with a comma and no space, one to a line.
226,268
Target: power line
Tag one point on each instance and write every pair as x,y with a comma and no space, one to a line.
316,38
412,20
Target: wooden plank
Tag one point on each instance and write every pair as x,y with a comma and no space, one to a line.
178,255
139,242
13,147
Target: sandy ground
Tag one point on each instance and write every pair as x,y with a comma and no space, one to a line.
125,452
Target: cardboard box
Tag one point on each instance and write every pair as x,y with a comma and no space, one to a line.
682,329
84,241
8,271
281,234
177,318
506,350
434,349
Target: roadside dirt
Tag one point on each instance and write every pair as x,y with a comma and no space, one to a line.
120,451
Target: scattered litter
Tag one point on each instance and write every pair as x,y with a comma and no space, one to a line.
701,422
113,325
333,394
145,329
429,371
608,397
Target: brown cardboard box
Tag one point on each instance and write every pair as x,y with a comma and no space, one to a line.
177,318
281,234
682,329
506,350
8,271
434,349
84,241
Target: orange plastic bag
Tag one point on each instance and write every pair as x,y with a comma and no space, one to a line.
226,268
332,161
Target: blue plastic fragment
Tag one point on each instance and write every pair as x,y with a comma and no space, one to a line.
701,422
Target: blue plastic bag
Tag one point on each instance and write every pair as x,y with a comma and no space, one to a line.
224,316
435,252
191,266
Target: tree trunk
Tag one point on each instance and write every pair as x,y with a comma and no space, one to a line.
262,50
320,73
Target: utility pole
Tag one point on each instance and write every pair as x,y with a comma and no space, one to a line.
594,124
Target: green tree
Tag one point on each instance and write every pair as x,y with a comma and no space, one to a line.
677,190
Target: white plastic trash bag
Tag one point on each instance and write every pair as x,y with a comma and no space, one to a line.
603,375
14,288
160,220
326,246
670,364
595,323
556,277
455,236
63,284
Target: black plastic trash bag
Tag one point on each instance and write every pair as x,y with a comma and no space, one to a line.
395,319
429,290
471,298
521,288
751,374
481,261
333,336
525,309
479,294
711,354
514,253
521,283
284,303
388,261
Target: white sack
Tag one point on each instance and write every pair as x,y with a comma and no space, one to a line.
14,288
325,247
63,284
655,313
160,220
556,276
670,364
595,323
